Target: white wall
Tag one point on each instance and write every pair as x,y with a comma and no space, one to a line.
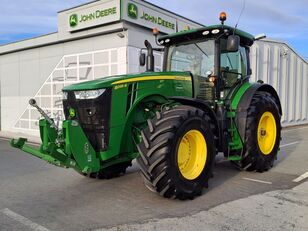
136,38
278,65
25,75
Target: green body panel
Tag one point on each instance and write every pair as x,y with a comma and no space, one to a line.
149,86
142,98
77,144
239,94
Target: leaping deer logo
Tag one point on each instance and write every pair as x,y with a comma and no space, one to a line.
132,11
73,20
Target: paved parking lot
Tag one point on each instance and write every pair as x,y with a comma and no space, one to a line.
38,196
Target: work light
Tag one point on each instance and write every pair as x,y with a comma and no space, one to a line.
93,94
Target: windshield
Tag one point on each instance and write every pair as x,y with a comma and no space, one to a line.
198,58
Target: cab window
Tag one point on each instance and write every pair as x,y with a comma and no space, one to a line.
233,65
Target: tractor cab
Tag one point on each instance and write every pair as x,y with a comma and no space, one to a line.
217,57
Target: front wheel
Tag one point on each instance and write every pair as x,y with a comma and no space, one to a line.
177,152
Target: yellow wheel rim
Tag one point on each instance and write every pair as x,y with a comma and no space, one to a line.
192,154
267,132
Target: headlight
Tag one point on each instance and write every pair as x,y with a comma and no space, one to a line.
64,95
89,94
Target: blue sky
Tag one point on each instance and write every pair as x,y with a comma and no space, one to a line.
279,19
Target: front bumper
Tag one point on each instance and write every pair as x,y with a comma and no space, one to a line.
68,148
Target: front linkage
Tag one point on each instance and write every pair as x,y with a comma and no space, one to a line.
67,147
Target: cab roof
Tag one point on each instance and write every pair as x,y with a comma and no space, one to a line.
200,33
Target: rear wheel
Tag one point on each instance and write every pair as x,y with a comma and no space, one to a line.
263,134
177,152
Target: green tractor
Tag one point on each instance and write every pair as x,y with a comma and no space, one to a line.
173,122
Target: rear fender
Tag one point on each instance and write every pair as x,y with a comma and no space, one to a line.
245,101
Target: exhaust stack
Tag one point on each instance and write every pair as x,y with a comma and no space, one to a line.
150,56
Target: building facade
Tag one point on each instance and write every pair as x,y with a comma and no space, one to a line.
93,41
104,38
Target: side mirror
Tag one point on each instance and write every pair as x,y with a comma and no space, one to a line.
260,36
142,59
233,43
208,74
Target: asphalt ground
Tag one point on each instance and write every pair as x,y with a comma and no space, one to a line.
37,196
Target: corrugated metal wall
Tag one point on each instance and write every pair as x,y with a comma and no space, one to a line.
278,65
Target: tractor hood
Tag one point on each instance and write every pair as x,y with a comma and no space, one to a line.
122,79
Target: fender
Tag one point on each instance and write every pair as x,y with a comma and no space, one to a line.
127,145
201,104
241,111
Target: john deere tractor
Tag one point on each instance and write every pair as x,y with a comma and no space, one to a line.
173,122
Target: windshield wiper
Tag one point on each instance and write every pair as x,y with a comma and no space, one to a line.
201,49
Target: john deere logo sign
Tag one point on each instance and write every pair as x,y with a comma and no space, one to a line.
73,20
132,11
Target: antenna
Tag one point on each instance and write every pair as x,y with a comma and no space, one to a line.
238,20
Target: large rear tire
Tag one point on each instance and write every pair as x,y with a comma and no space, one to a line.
263,134
177,152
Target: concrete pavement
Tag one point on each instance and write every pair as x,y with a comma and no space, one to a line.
276,211
37,196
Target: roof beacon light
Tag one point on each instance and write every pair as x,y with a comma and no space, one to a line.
155,31
223,17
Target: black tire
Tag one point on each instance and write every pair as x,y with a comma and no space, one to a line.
158,150
253,158
110,172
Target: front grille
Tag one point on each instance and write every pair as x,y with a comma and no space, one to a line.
93,116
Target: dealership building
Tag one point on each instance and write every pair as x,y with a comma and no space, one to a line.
104,38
